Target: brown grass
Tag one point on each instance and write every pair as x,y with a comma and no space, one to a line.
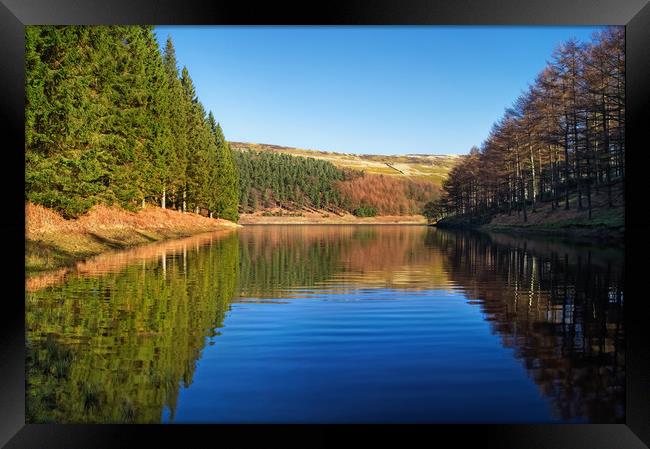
113,261
545,215
53,241
40,220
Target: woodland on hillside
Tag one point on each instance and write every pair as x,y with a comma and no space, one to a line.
387,195
563,138
274,179
110,120
269,179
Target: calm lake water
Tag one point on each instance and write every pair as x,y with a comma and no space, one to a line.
331,324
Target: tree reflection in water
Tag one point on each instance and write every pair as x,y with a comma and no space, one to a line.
115,340
560,307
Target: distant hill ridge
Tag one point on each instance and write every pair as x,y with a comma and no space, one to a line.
430,167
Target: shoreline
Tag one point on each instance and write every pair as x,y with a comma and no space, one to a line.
52,242
114,260
322,218
606,223
582,233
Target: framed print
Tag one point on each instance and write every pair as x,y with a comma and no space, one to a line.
387,221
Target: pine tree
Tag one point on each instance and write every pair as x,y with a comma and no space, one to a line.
199,142
225,181
107,120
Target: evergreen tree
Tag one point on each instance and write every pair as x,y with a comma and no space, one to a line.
108,120
225,181
200,142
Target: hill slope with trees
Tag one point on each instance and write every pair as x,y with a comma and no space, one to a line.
110,120
284,181
559,148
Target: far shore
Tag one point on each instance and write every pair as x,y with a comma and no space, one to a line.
277,217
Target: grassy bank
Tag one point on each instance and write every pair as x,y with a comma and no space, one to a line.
605,223
53,242
280,216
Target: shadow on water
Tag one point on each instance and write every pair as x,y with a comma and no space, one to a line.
115,341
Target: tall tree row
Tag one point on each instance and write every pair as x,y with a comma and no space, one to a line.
109,119
561,141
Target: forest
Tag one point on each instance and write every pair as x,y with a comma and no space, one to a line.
110,119
269,179
561,142
273,179
386,195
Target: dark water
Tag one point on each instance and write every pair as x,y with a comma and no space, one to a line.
331,324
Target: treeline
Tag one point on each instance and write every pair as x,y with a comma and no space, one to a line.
564,136
269,179
109,119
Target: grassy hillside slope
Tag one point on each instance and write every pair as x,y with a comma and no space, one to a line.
432,168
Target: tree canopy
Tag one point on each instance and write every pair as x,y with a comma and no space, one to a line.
109,119
563,137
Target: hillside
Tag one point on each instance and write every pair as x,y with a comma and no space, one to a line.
555,160
605,223
425,167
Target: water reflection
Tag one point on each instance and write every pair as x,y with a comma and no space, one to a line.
560,307
116,338
115,346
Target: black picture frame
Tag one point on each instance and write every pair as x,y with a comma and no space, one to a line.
634,14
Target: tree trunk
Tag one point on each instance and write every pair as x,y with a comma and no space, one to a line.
163,199
553,191
542,184
588,154
532,165
523,194
608,162
566,165
577,156
184,202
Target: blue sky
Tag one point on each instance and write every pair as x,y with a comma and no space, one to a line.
376,90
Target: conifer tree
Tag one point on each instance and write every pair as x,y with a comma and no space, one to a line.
225,181
108,120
